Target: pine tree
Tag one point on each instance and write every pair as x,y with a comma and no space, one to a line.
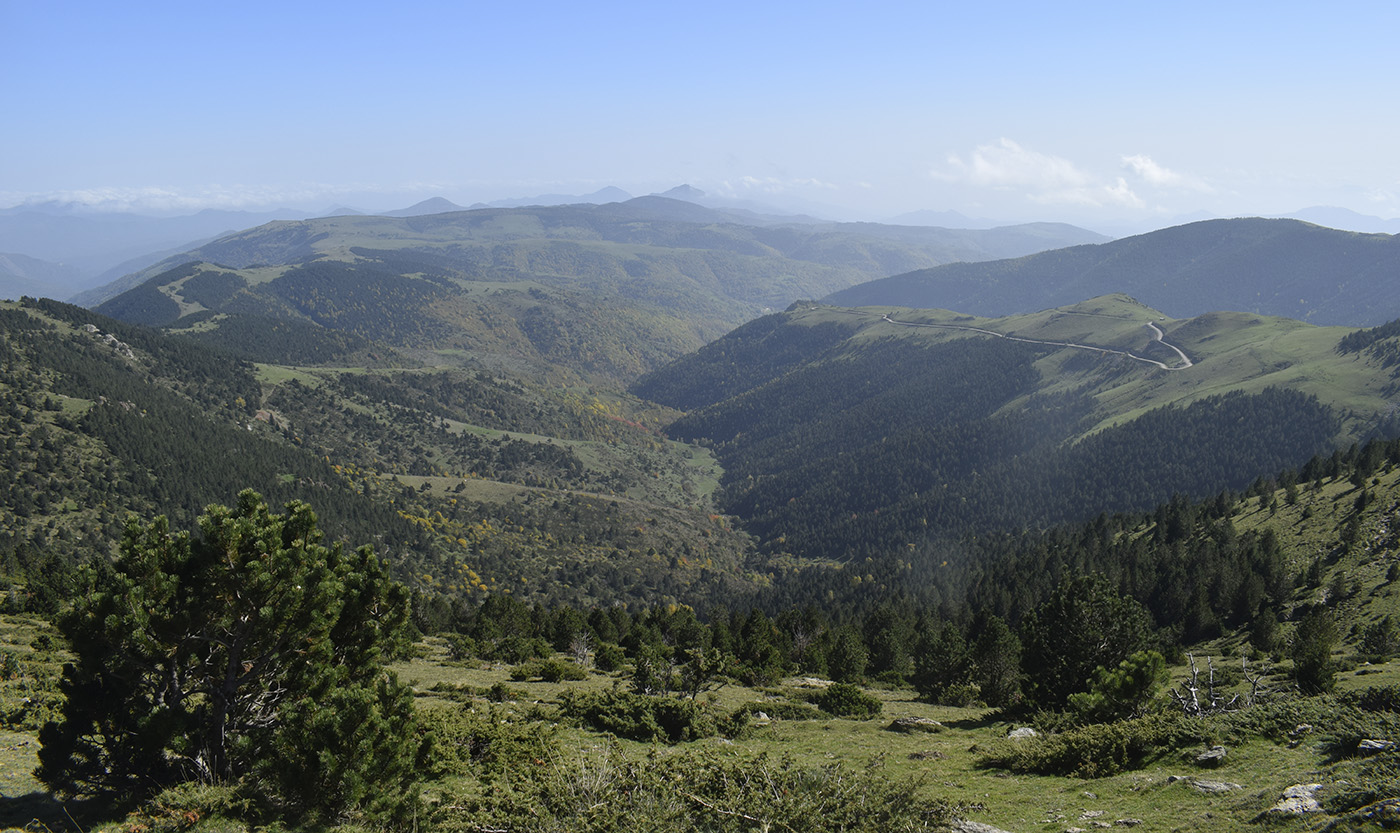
253,650
1084,624
1312,652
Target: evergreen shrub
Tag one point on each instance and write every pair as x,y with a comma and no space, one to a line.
846,700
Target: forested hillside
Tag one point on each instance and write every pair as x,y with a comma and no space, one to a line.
607,291
1267,267
466,482
854,433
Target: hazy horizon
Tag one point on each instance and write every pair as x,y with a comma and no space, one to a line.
1104,116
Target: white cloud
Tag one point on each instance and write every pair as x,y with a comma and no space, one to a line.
1120,194
1008,165
1149,170
1046,179
776,185
1146,168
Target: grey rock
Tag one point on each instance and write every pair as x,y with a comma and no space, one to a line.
1297,801
1208,787
1022,732
965,826
1212,757
915,724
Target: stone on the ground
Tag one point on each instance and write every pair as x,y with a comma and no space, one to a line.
965,826
915,724
1212,757
1297,800
1208,787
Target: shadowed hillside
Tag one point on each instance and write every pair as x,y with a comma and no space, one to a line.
1268,267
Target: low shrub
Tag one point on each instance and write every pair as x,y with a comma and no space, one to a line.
514,649
783,710
1342,721
502,693
551,670
846,700
184,806
1374,780
1373,699
609,658
961,695
486,742
554,670
461,648
463,693
689,792
641,717
1097,750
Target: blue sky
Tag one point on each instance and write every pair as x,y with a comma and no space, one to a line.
1094,113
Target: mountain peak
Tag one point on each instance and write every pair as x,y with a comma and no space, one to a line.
435,205
688,193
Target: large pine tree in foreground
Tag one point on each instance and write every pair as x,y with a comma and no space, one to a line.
252,652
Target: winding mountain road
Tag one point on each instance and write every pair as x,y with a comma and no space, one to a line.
1156,335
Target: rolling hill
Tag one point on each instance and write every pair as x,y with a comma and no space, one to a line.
607,291
1267,267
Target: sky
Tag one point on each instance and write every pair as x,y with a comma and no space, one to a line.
1099,114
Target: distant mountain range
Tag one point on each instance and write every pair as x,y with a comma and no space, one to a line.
23,275
91,248
1270,267
613,289
86,248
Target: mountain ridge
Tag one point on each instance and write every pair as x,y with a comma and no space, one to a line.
614,289
1271,267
